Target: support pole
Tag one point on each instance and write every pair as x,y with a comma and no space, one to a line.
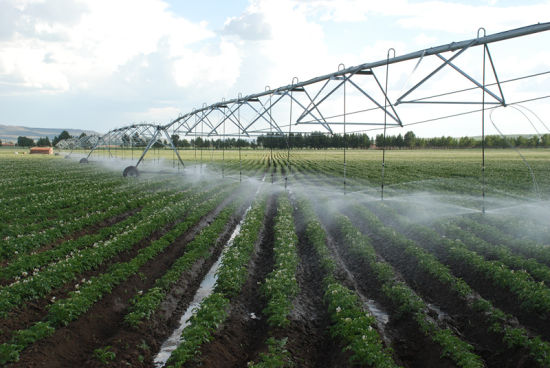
385,120
483,126
239,137
149,145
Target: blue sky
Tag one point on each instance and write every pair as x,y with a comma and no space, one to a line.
98,64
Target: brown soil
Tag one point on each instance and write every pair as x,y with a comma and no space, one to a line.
309,340
86,231
35,310
241,329
72,346
457,313
411,347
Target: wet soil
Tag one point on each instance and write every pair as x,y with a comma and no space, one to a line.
94,228
245,330
309,340
411,347
451,310
72,346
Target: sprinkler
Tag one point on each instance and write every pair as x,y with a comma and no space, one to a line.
131,171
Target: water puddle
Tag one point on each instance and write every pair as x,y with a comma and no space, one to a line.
441,316
205,289
382,318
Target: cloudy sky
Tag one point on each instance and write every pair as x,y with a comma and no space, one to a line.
100,64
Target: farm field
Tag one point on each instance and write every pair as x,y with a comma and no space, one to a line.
266,262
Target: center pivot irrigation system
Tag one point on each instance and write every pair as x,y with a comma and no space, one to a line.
354,96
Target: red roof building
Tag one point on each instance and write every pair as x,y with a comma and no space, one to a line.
42,150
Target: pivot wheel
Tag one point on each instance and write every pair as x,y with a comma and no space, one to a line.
83,160
130,171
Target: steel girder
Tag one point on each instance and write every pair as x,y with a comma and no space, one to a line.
303,103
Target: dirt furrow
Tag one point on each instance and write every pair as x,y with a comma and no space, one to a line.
72,345
245,330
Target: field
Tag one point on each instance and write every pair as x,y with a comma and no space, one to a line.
266,262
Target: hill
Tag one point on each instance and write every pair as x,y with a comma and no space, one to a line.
9,133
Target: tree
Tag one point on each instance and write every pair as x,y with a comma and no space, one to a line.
25,142
410,139
44,142
175,139
64,135
379,141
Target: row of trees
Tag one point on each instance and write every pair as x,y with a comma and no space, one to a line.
318,140
409,140
44,141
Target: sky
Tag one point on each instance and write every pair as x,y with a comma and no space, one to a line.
101,64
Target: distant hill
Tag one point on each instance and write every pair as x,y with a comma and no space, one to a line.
9,133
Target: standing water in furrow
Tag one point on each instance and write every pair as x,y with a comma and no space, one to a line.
205,289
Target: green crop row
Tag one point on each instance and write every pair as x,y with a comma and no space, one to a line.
538,271
280,286
498,320
33,262
401,296
351,323
526,247
35,286
212,311
62,312
144,305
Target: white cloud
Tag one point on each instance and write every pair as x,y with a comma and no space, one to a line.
90,41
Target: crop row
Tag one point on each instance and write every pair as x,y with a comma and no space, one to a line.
34,261
512,336
401,296
351,323
35,286
532,296
63,311
280,286
230,279
494,235
537,270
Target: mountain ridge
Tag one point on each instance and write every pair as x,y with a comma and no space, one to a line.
9,133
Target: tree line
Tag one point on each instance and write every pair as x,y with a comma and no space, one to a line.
43,141
318,140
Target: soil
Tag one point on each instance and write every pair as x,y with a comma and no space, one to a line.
246,324
456,313
411,347
72,346
35,310
86,231
309,340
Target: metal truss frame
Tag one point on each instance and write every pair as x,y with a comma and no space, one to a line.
252,115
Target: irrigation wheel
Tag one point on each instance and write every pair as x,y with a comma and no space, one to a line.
84,160
130,171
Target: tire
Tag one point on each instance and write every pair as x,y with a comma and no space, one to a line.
131,171
83,160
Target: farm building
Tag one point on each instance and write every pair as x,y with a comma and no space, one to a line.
42,150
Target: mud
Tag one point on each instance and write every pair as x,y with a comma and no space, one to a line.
73,345
245,330
451,311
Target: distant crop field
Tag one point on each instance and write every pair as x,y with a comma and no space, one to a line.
263,258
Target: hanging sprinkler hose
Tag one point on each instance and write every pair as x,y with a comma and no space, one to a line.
531,172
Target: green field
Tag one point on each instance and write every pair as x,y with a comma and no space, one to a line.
280,263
